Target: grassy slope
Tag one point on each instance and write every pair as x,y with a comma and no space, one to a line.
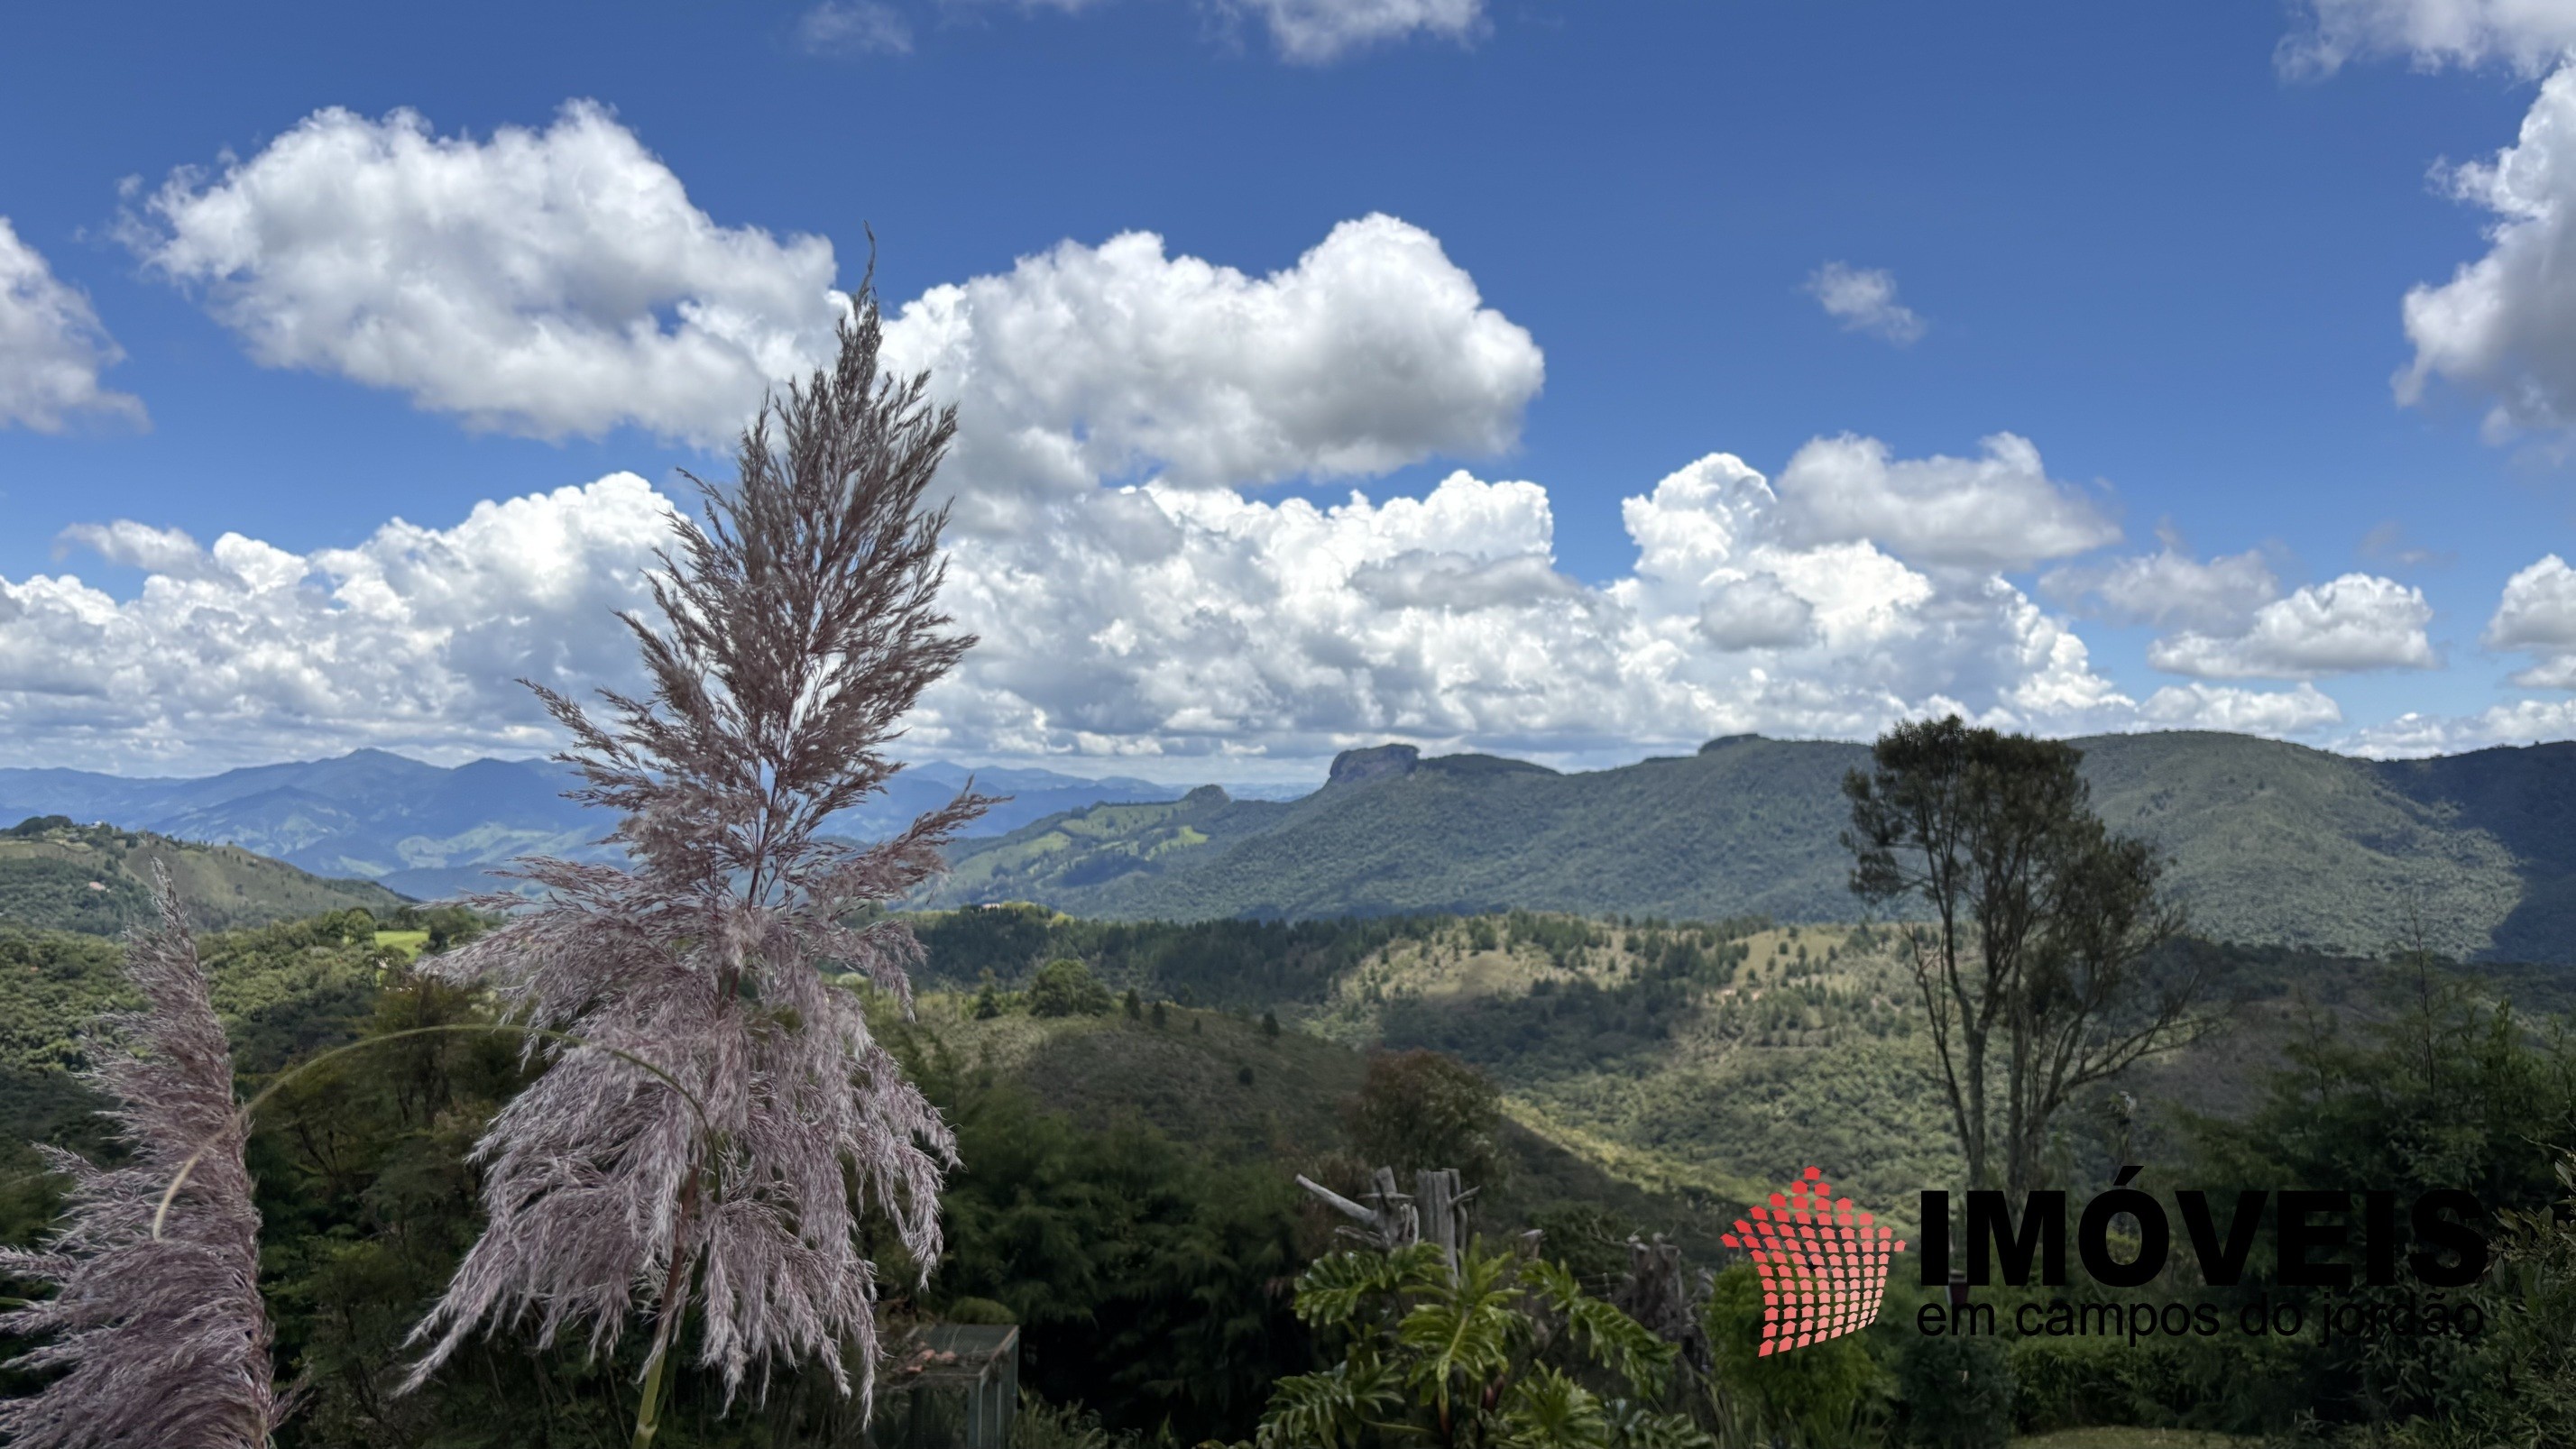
2271,843
1664,1113
45,883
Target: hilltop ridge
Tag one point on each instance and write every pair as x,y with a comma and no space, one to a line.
2271,843
56,875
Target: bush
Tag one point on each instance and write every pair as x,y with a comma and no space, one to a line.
1066,987
1823,1394
1958,1392
2516,1382
1143,1273
2065,1383
1497,1349
1419,1109
1586,1241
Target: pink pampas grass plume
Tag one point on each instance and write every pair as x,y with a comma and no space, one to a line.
161,1339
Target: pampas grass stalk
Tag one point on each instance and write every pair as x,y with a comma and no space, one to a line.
797,626
155,1326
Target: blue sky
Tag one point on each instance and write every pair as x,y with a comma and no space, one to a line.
2170,247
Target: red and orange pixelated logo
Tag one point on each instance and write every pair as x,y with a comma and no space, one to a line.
1823,1265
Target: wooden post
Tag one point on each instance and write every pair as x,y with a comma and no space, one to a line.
1435,1196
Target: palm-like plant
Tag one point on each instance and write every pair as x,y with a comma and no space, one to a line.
156,1324
1492,1358
716,1118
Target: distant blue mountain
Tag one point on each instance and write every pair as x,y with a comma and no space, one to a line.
428,831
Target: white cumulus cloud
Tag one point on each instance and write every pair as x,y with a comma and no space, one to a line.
244,652
1087,363
1757,612
1864,300
136,545
544,283
2525,35
2343,626
2537,615
1997,511
2519,722
2168,588
1119,408
561,282
2242,711
1121,622
52,348
2504,327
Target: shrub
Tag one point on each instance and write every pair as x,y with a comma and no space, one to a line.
1957,1391
2064,1383
1066,987
1418,1109
1822,1394
1500,1349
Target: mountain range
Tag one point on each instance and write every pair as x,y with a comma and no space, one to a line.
429,831
2269,843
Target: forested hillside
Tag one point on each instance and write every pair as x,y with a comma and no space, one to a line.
2270,843
1131,1100
1126,1193
1690,1058
58,876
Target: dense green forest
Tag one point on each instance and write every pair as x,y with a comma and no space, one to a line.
1133,1099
